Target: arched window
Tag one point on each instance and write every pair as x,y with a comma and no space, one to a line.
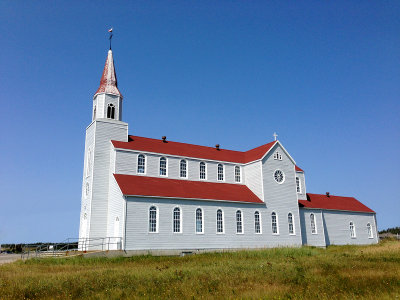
153,219
220,221
87,189
110,111
141,164
89,162
298,187
183,171
274,223
94,113
290,223
237,174
163,166
199,220
257,222
177,220
239,224
220,172
313,225
369,230
352,230
202,170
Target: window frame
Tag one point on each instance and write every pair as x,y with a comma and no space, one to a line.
239,222
202,221
313,221
352,228
236,175
283,175
259,222
157,219
369,231
179,220
205,170
144,166
298,185
186,169
223,172
222,221
293,227
166,166
110,111
276,223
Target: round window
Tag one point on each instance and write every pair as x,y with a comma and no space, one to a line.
279,176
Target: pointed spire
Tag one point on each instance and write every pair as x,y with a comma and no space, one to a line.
108,81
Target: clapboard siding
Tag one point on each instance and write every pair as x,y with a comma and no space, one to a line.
252,178
105,130
138,237
337,227
281,198
303,194
312,239
126,163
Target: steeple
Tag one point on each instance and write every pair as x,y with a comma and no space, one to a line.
108,81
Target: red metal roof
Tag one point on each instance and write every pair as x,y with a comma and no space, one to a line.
298,169
334,202
108,81
136,185
189,150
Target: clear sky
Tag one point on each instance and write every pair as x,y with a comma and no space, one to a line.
325,75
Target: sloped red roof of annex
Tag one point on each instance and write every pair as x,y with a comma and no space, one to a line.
299,169
334,202
190,150
136,185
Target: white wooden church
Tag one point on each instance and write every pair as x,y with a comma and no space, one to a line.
156,194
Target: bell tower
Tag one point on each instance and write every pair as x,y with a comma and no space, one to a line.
106,125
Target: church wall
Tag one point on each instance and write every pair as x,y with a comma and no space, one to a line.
252,178
312,239
281,198
105,130
302,195
337,227
126,163
138,237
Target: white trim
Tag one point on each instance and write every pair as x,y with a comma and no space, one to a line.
254,216
166,166
240,174
351,223
371,233
297,178
283,174
186,169
277,223
180,220
137,164
293,222
313,219
216,221
205,171
157,219
283,148
202,220
223,172
180,198
241,221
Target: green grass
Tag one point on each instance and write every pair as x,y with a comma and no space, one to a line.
339,272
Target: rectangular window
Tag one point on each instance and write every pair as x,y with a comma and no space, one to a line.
220,172
239,225
257,223
183,171
298,187
202,170
237,174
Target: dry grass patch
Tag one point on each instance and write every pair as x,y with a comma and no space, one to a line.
347,272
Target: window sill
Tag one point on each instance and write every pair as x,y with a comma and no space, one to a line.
200,233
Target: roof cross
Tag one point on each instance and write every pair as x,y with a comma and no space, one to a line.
275,135
111,35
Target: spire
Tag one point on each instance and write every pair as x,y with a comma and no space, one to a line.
108,81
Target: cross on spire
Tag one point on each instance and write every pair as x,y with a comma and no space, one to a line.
111,35
275,135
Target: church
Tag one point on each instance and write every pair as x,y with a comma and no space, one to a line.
147,194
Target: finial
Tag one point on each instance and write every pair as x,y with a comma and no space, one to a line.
111,35
275,135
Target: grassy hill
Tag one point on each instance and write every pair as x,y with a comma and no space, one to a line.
339,272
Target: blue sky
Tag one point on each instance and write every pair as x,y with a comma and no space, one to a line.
325,75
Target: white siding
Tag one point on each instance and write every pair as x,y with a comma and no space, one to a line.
303,194
281,198
337,227
312,239
253,179
138,237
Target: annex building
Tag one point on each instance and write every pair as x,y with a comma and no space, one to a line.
156,194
